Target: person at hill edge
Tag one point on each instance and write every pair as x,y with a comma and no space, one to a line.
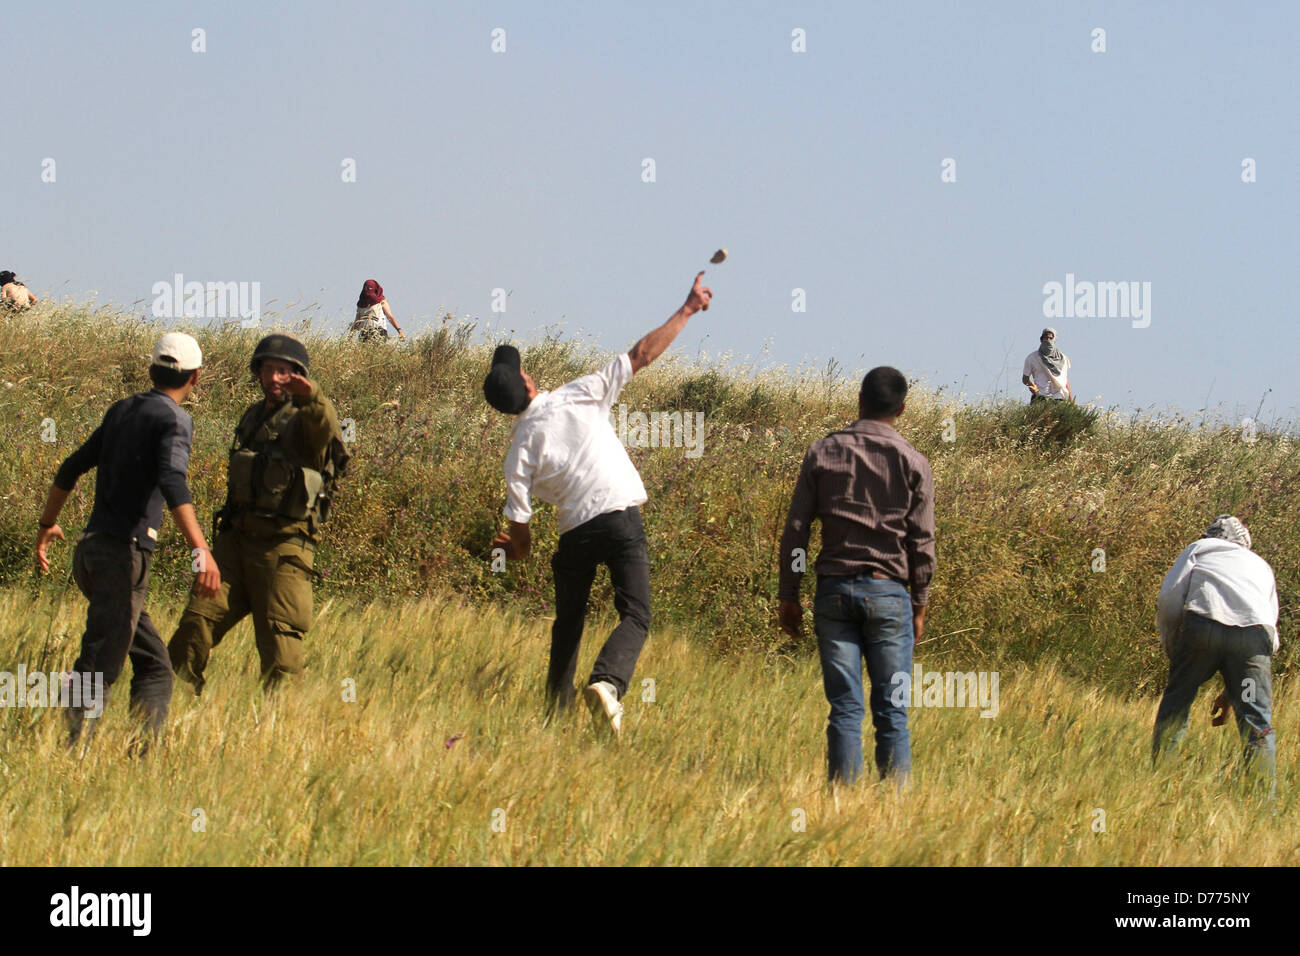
564,450
1047,371
1217,613
141,452
874,495
13,294
372,314
287,455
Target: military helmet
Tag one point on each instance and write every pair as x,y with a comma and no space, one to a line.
283,347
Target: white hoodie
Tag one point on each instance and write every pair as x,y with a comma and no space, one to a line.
1222,581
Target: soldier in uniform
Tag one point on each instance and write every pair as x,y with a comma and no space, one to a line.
287,453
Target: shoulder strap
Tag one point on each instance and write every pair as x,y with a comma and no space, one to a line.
246,427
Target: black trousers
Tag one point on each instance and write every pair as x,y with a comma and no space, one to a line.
616,540
114,577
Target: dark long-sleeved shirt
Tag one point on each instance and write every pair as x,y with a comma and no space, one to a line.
874,494
142,453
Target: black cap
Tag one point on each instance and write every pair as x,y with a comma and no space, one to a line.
504,386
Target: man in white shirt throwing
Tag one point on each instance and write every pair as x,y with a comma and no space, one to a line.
1217,612
564,450
1047,370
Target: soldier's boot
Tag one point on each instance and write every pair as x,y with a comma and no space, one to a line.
190,648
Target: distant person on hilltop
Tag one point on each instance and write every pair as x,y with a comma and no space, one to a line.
564,449
1217,613
13,294
372,314
874,494
1047,371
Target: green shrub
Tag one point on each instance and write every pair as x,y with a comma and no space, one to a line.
1049,421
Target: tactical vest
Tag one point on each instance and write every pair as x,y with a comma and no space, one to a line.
267,480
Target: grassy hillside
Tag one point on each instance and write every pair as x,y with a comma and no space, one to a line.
442,758
1020,514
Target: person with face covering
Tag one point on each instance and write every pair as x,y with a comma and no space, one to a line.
1218,613
1047,370
372,314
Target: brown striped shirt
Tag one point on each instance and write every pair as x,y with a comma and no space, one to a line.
874,494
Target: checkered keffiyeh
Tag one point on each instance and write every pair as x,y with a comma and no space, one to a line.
1049,353
1230,529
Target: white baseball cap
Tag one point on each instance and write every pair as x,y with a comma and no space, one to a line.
178,351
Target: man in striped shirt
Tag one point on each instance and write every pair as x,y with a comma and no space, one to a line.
874,494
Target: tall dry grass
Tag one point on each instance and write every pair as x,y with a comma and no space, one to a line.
444,757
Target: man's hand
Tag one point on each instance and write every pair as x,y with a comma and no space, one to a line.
652,344
516,542
698,300
208,581
918,622
298,385
1220,710
502,541
43,540
207,576
789,614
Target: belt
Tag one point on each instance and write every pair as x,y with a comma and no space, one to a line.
877,575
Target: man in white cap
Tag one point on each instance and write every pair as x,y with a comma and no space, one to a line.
141,452
564,450
1217,613
1047,370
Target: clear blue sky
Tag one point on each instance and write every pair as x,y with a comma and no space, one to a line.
817,170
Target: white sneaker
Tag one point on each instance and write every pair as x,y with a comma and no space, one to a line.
602,698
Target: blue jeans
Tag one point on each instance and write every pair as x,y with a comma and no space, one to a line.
856,618
1243,655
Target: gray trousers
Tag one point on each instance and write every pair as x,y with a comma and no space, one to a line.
1243,655
114,577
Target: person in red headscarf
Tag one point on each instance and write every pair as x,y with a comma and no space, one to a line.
372,311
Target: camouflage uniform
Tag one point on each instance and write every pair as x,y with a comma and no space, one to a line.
282,467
